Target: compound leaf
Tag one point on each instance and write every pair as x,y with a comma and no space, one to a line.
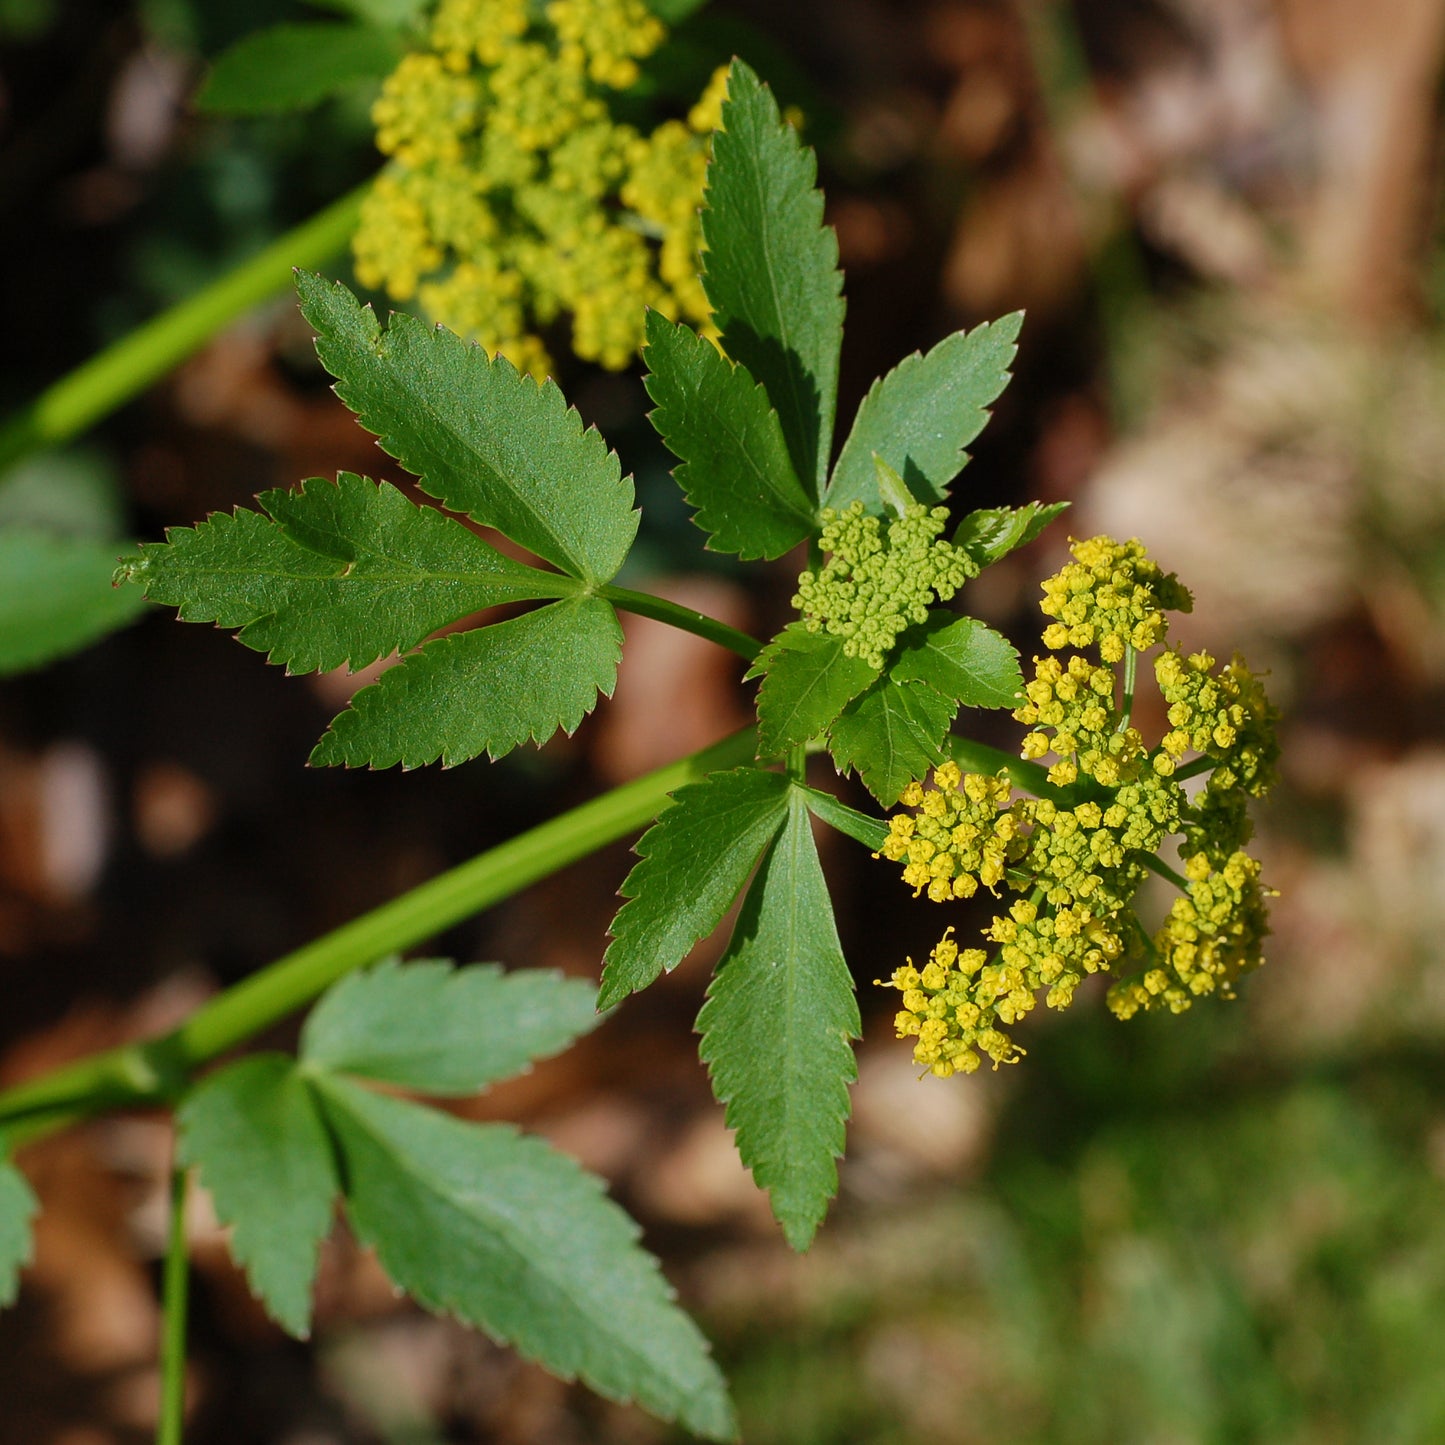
772,268
484,439
254,1131
775,1031
994,532
735,470
962,658
483,691
445,1030
508,1235
921,415
294,67
57,597
807,682
344,574
18,1208
694,861
891,734
871,832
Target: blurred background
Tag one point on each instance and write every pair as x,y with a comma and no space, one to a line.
1223,217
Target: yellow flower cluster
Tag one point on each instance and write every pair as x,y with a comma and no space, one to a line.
1111,595
874,584
1081,849
514,198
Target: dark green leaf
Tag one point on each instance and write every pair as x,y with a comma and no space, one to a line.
58,597
483,438
483,691
772,268
961,658
263,1151
445,1030
393,13
344,575
921,415
735,468
775,1031
18,1208
294,67
891,735
807,683
508,1235
694,861
994,532
870,832
674,12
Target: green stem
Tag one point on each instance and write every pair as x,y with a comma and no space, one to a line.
157,1071
174,1302
1156,864
644,604
123,370
1194,769
1126,708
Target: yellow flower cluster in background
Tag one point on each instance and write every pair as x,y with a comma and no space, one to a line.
514,197
1079,855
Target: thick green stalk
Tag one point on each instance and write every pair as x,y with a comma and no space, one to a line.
644,604
156,1071
175,1291
123,370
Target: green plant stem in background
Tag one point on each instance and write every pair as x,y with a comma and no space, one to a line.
155,1072
123,370
175,1292
644,604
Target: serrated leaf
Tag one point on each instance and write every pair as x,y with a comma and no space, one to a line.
297,66
808,681
775,1031
482,691
262,1149
962,658
444,1030
735,470
771,268
891,735
871,832
344,575
483,438
921,415
58,597
501,1231
18,1208
694,862
994,532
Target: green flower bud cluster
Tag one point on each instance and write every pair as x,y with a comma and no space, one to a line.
1111,596
874,585
513,197
1079,856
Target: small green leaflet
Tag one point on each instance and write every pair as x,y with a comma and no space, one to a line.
921,415
994,532
343,575
735,469
892,734
294,67
807,682
772,268
961,658
18,1207
483,691
775,1031
263,1151
444,1030
57,597
871,832
694,862
484,439
504,1233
